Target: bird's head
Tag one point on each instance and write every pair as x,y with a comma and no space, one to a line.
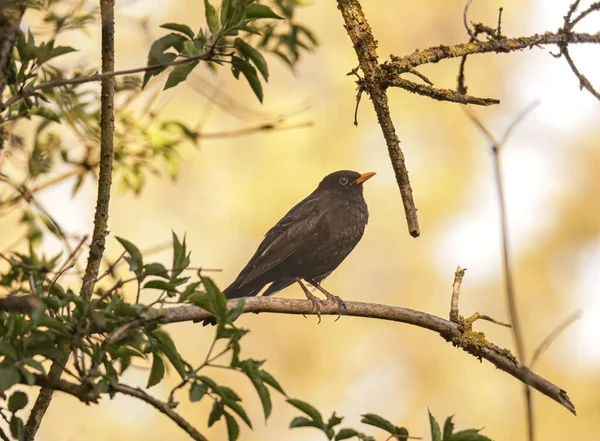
345,180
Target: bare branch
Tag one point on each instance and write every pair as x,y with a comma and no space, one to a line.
545,344
360,34
438,94
101,217
458,277
163,408
507,270
449,330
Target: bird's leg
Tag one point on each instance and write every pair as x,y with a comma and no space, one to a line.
341,305
316,302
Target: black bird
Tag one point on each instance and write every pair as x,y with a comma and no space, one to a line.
309,242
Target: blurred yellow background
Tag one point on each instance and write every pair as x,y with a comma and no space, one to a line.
231,191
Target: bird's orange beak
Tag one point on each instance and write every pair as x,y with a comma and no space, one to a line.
365,176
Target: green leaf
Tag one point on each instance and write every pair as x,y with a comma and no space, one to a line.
160,284
35,364
237,408
225,11
158,56
241,65
345,434
218,300
236,311
8,378
197,391
469,435
377,421
305,422
17,401
268,378
157,372
181,258
448,429
8,350
255,56
178,27
307,409
215,414
435,428
228,393
233,428
16,427
136,262
155,269
254,11
179,74
209,382
263,393
334,420
211,17
46,113
168,347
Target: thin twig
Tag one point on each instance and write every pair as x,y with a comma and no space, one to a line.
163,408
365,46
507,270
458,277
466,21
545,344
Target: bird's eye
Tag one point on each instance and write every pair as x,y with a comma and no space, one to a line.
343,181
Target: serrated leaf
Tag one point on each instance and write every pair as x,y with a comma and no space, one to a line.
211,17
378,421
268,378
307,409
469,435
233,428
345,434
218,300
237,408
254,11
249,72
155,269
17,401
137,262
46,113
179,74
215,414
181,259
237,310
162,285
225,11
157,372
254,55
178,27
197,391
168,347
304,422
263,393
448,429
435,428
158,56
228,393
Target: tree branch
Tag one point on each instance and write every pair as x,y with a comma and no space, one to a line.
101,217
11,13
450,331
163,408
366,50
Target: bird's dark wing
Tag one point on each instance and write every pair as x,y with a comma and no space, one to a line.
297,228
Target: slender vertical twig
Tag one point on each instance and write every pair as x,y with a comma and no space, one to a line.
496,146
102,204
